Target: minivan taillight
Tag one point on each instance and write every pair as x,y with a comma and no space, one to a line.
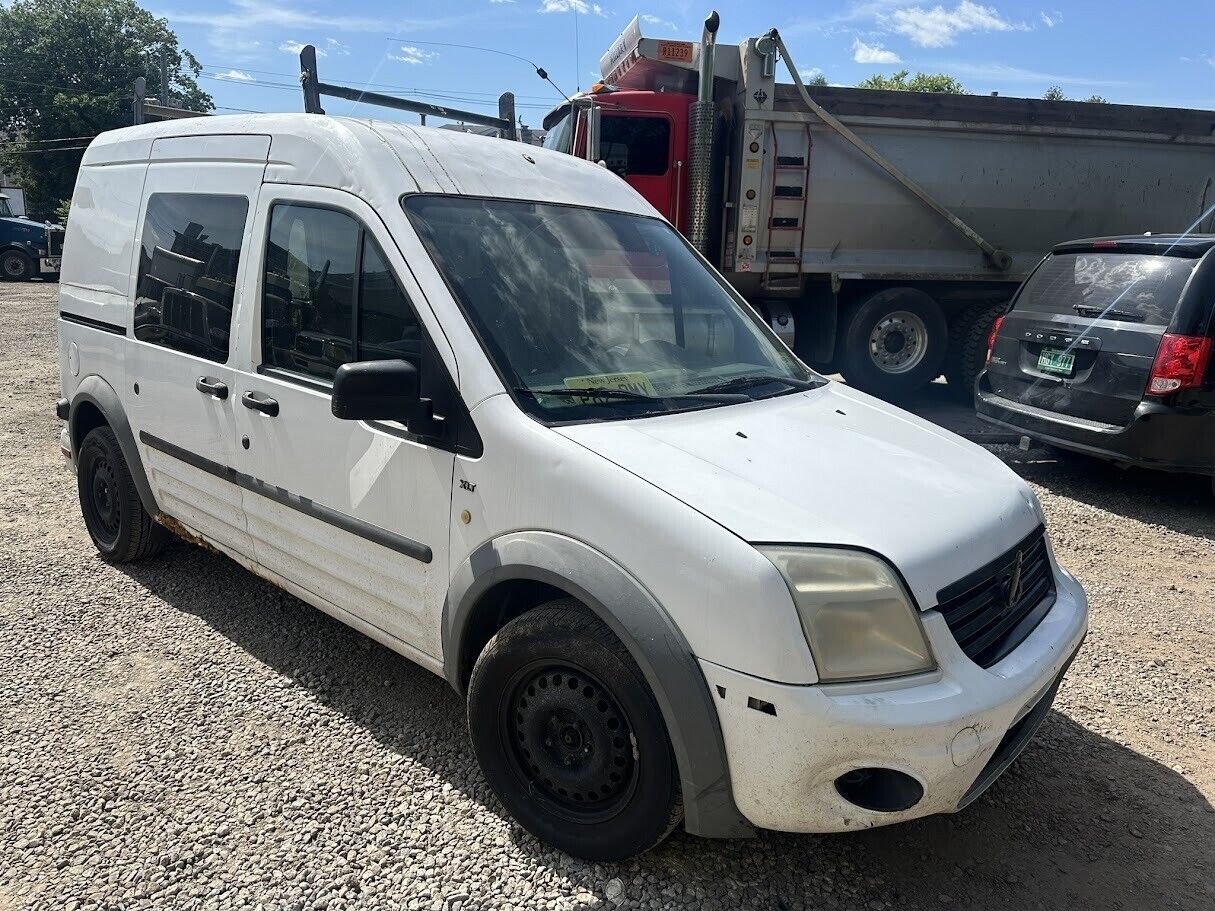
991,336
1181,362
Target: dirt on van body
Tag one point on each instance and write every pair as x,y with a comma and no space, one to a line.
179,733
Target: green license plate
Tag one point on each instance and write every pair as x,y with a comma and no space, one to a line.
1052,360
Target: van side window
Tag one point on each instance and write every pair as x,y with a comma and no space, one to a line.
187,272
319,263
635,145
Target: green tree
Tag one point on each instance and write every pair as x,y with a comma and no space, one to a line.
817,79
902,81
67,68
1055,93
1097,99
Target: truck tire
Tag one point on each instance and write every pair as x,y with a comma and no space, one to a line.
893,342
15,266
120,527
967,351
569,736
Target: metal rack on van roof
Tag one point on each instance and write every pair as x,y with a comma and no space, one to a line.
313,88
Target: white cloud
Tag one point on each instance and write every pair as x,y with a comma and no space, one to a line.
939,27
812,73
572,6
650,19
873,53
1002,73
243,15
413,55
294,47
335,47
235,74
501,1
1051,19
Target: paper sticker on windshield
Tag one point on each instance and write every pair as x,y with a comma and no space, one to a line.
628,382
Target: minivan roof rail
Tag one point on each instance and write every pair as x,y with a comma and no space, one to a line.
313,88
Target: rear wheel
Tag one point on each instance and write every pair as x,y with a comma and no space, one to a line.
570,738
121,529
967,351
893,342
15,266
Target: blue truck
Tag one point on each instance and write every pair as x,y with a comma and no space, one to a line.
28,249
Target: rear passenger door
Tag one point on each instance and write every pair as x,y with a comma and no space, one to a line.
192,248
354,512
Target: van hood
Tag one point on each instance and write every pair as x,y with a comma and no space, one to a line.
832,466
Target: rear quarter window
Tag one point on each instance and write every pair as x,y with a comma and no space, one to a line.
1139,287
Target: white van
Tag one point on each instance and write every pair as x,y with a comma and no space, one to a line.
479,401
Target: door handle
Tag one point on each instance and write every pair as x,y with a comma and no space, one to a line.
208,386
259,402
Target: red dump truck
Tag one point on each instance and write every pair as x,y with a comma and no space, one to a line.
879,232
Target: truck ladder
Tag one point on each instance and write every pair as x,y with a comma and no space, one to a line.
787,164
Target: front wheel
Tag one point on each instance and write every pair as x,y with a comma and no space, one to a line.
15,266
570,738
121,529
894,342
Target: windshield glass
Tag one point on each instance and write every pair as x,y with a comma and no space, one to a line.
1136,287
5,210
617,306
558,135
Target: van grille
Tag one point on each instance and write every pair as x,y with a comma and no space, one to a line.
991,611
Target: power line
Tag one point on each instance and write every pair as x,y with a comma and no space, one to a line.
489,50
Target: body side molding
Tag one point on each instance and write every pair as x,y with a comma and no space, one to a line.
656,644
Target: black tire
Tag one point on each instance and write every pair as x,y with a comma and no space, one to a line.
15,266
558,711
120,527
967,352
893,342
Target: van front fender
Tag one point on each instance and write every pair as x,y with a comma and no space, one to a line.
655,642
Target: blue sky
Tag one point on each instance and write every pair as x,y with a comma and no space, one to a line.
1161,53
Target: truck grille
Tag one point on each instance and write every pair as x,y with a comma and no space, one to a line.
991,611
54,242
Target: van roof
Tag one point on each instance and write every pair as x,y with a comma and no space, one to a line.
381,160
1169,244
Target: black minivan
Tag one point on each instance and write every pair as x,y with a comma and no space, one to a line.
1106,350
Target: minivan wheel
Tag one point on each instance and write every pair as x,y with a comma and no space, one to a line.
893,342
15,266
120,527
569,736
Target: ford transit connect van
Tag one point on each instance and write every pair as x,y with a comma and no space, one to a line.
482,403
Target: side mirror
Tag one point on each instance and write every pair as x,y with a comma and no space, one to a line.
380,391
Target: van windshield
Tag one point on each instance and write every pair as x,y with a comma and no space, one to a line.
1134,287
594,315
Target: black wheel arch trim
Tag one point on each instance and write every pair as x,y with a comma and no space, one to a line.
652,638
101,395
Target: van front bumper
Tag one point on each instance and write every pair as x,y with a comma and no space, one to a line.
953,731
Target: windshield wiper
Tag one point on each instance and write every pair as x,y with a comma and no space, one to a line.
1090,310
603,392
739,383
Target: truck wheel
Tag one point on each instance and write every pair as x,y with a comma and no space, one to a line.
120,527
967,351
15,266
569,736
893,342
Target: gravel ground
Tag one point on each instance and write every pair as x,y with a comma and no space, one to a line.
180,734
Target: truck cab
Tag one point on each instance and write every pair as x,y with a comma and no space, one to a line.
27,248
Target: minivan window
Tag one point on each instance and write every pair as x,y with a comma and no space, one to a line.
567,298
187,272
318,261
1137,287
635,145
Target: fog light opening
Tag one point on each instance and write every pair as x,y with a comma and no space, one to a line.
881,790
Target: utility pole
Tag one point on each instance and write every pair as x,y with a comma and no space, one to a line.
137,104
164,79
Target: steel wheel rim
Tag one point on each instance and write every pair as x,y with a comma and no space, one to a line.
13,267
568,742
899,342
103,497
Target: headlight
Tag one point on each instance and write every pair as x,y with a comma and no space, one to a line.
858,619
